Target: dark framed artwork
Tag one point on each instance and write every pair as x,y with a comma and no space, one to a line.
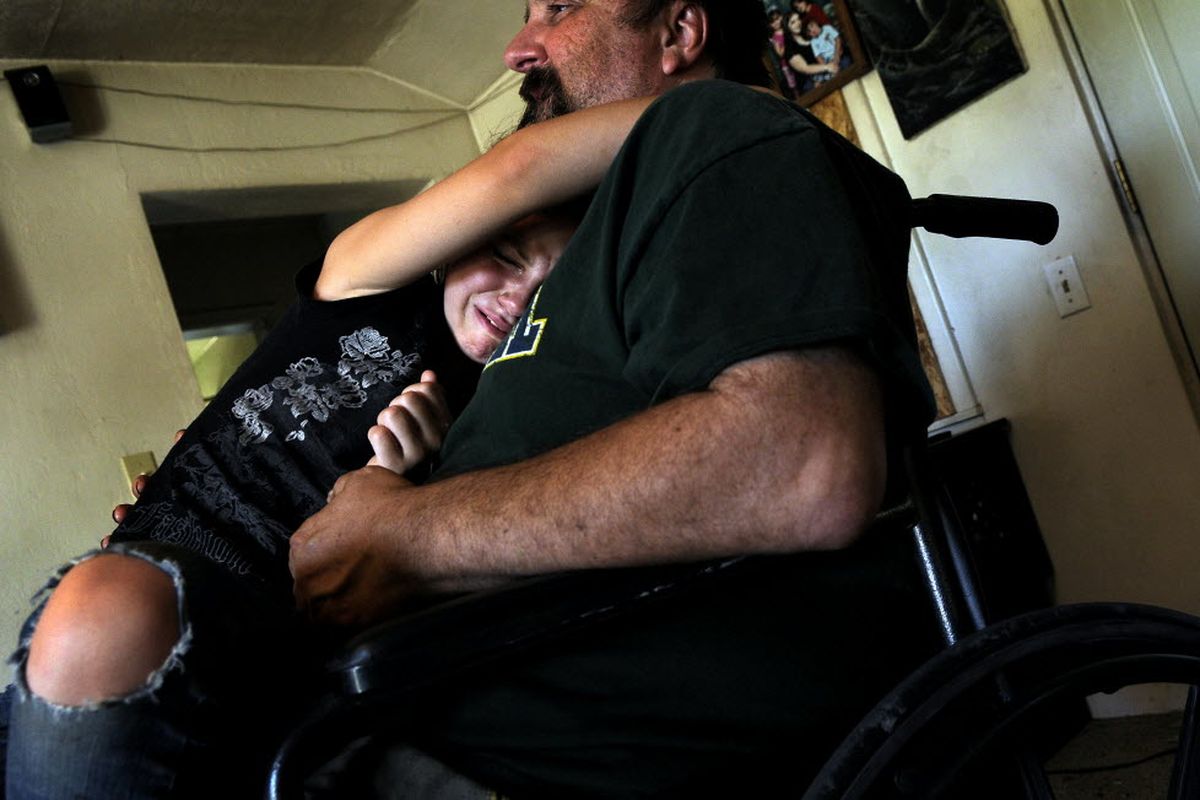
813,47
936,56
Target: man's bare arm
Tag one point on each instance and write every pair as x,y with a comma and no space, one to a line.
781,453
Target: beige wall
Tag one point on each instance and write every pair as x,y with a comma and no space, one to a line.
92,365
497,111
1102,427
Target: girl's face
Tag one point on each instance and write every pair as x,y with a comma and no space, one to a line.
488,290
795,23
776,20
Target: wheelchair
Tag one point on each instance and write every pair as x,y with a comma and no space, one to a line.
966,712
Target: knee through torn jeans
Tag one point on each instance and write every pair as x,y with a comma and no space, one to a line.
205,724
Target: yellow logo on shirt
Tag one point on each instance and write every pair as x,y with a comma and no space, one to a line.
524,338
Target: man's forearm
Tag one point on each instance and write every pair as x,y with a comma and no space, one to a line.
781,453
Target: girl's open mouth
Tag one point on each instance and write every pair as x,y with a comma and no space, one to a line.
497,326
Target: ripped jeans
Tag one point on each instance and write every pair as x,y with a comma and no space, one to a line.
205,724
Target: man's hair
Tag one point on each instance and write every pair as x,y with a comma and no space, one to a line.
737,35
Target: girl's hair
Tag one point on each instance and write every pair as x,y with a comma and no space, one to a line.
572,209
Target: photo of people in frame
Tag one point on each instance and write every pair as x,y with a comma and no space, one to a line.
813,47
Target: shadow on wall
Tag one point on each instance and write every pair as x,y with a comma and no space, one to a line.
16,310
83,104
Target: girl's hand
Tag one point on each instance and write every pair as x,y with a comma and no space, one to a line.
411,428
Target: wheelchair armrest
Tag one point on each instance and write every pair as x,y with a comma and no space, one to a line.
448,638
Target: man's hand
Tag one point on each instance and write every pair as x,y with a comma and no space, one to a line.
411,428
346,570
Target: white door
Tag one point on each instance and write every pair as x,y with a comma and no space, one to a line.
1143,57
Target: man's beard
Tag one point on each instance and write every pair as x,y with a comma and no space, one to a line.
544,96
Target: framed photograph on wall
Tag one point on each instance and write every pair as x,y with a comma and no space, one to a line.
814,47
936,56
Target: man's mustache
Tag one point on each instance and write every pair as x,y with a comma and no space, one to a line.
544,96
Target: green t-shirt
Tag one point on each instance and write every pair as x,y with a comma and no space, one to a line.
730,225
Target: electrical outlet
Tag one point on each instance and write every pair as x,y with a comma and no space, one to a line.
1066,286
136,464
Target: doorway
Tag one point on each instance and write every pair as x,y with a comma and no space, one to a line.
1143,64
229,258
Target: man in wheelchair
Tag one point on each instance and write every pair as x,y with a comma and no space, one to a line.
723,362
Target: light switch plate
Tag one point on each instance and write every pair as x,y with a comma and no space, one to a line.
1066,286
136,464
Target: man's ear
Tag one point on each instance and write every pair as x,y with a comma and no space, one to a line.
684,36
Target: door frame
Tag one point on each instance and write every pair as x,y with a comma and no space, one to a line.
1186,355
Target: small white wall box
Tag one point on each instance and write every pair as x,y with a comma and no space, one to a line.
40,102
1066,286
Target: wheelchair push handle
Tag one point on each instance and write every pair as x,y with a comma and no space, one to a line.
959,216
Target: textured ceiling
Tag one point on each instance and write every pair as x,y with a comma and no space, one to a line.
449,47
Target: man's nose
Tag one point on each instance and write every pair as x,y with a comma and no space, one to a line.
525,51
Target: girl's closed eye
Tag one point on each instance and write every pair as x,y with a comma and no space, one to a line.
508,259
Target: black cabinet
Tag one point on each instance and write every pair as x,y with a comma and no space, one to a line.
986,497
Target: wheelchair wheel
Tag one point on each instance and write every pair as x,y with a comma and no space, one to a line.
975,706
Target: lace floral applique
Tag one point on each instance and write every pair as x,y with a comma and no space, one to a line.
298,434
247,409
367,360
314,390
317,399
